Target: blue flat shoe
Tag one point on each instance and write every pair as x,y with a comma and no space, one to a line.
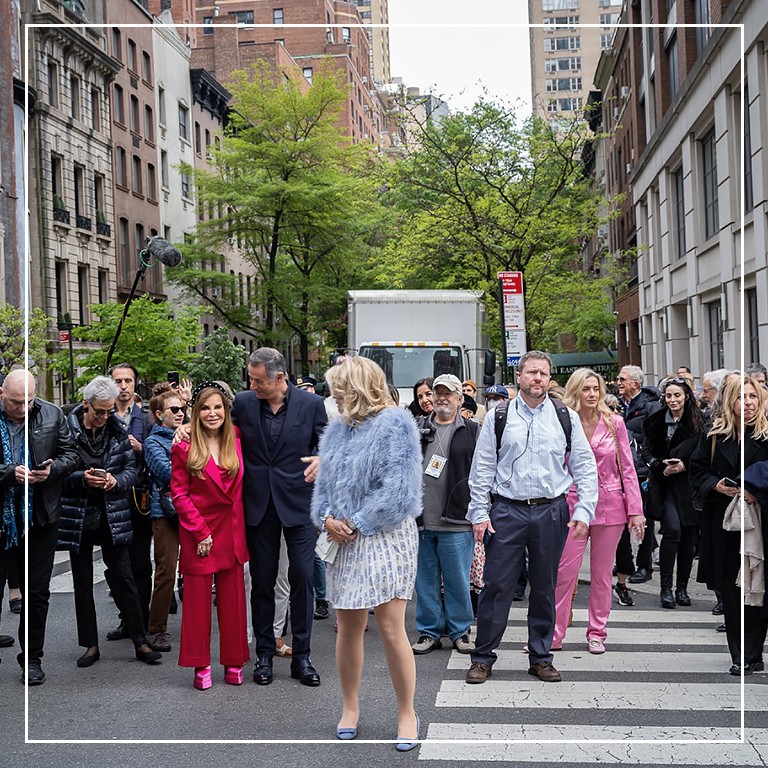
346,734
406,745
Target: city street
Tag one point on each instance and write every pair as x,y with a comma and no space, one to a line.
664,677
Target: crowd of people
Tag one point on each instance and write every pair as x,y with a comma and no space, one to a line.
279,502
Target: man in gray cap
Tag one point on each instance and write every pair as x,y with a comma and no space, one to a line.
446,540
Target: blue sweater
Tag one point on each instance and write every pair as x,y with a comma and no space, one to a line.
370,473
157,456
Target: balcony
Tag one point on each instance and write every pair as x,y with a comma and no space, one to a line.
103,229
83,222
61,215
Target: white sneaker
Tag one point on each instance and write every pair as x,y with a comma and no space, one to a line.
595,645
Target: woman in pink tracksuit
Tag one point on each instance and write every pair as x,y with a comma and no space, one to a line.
619,503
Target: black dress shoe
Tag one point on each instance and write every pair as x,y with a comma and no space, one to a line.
147,654
720,628
6,641
303,671
754,666
36,675
718,609
640,576
120,632
736,669
262,672
88,659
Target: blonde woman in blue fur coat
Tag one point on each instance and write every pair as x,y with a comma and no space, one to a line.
367,496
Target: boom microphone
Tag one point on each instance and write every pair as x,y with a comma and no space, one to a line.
163,251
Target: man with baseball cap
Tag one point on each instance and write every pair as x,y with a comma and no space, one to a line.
446,541
495,394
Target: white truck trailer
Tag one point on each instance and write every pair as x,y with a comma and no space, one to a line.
419,333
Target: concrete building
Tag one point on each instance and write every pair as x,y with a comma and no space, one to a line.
564,53
694,168
377,12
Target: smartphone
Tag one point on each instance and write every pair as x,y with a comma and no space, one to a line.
44,464
671,461
730,483
99,472
173,378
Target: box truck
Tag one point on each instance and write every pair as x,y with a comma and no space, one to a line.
419,333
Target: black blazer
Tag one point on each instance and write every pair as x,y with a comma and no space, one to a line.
279,473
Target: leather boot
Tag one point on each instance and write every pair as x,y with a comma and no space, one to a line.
681,594
667,598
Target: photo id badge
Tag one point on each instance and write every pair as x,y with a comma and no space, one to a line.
435,466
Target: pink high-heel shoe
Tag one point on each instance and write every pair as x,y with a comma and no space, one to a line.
233,675
203,679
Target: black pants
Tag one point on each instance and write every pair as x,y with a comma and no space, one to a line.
264,547
36,591
541,528
678,541
121,583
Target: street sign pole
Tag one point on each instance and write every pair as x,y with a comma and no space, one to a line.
512,318
504,369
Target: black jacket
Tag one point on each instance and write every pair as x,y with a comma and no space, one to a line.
462,449
118,459
655,449
49,438
642,405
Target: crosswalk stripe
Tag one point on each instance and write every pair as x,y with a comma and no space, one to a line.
580,661
531,693
63,582
522,750
631,636
629,615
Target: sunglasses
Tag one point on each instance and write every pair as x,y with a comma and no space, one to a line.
103,411
176,409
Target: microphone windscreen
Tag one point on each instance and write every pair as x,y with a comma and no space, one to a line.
164,251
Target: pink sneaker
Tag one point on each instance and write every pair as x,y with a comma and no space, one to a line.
595,646
203,679
232,675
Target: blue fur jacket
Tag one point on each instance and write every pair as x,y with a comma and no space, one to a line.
370,473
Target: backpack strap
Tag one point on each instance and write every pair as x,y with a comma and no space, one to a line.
563,416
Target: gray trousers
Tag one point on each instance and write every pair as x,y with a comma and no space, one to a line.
543,528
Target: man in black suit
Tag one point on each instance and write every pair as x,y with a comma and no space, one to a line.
280,427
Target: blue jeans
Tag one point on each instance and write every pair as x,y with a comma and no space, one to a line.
447,554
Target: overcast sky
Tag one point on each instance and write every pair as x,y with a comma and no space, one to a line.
458,62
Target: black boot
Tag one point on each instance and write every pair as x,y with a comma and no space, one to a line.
667,598
681,595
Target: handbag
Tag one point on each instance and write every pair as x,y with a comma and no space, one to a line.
326,549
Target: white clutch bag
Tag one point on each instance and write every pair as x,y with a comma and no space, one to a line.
326,549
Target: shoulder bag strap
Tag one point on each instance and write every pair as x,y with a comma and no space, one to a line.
612,427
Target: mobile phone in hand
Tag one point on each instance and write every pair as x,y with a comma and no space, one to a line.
99,472
44,464
730,483
173,378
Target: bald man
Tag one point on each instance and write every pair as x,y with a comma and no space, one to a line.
31,474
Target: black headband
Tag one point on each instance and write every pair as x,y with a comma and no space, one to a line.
209,385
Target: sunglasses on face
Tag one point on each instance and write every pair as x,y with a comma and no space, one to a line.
176,409
103,411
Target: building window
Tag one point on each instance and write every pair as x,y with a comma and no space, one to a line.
559,5
123,247
98,194
164,168
674,67
79,191
95,109
559,22
56,188
61,288
119,106
701,16
277,16
186,189
567,64
137,174
83,300
74,87
207,144
53,84
132,56
709,167
572,43
183,123
244,17
121,170
307,72
198,140
161,105
677,180
149,124
151,182
146,67
135,125
753,341
606,41
749,196
609,19
346,35
208,22
716,359
139,237
103,278
117,44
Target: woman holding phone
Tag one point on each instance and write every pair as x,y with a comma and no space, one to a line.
96,510
669,438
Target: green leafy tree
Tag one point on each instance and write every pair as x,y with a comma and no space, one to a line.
12,337
220,360
153,339
476,194
299,201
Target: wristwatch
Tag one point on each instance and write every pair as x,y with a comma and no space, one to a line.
325,517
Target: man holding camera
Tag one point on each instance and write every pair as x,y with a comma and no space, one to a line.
33,463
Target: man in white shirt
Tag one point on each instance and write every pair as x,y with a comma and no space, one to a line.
527,478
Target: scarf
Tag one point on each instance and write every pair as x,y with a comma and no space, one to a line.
12,499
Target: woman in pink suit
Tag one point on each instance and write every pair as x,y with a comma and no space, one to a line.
207,491
619,503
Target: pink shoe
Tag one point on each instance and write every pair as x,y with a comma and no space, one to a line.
233,675
203,679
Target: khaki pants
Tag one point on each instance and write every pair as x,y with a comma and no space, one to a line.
165,533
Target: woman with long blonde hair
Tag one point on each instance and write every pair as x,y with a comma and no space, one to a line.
367,497
207,493
619,504
716,479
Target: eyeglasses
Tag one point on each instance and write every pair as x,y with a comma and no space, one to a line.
623,378
103,411
176,408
